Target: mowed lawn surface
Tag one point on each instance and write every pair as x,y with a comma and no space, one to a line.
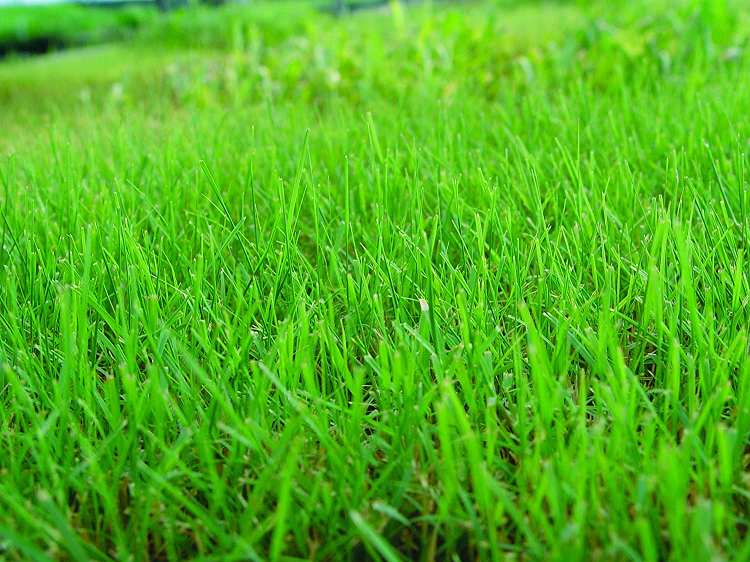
451,282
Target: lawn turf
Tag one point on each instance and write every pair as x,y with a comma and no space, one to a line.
438,283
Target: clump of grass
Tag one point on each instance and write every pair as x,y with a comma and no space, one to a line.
429,321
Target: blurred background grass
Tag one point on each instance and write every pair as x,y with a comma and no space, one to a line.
245,53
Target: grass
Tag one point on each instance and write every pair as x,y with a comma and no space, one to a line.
39,29
430,284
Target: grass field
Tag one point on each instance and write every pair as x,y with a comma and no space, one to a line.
446,282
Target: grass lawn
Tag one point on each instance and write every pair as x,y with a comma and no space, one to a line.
444,282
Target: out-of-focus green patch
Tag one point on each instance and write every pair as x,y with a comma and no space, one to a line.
248,54
39,29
